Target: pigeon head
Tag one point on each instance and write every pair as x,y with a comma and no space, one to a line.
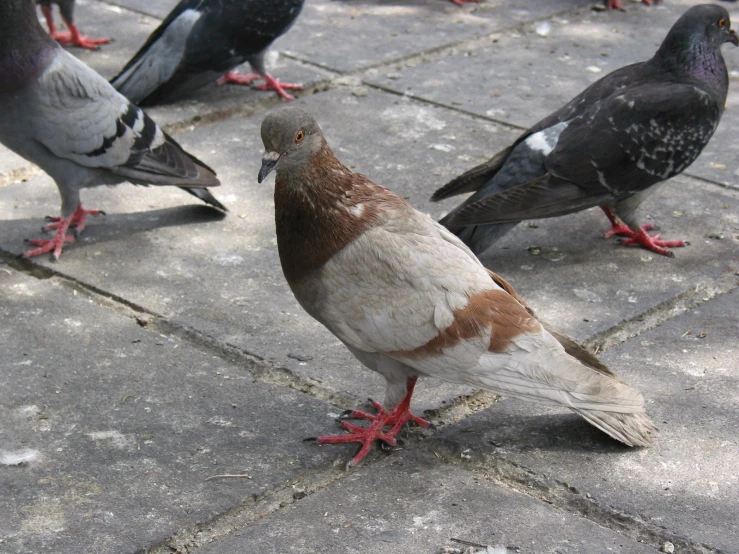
705,24
291,137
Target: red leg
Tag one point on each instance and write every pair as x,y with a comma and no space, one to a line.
270,84
61,225
77,220
236,78
74,38
653,243
54,245
46,10
462,2
398,417
641,238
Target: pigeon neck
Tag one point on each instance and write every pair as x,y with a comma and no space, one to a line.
319,210
23,44
695,61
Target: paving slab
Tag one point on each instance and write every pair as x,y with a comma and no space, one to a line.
421,505
687,482
521,76
119,428
347,35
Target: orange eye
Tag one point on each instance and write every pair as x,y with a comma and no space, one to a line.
722,22
300,136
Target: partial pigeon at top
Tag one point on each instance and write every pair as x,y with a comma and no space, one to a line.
610,146
201,41
73,36
616,4
408,299
61,115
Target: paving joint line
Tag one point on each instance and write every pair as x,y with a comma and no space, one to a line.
254,508
662,313
563,496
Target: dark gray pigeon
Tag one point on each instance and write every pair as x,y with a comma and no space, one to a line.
610,146
201,41
61,115
73,37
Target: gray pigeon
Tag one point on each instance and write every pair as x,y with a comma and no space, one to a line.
72,37
610,146
408,299
201,41
61,115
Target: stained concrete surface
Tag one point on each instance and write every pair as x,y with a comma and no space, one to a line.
410,93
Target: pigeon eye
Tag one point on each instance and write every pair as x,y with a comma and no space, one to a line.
722,22
299,136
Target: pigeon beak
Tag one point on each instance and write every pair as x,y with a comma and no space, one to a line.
269,161
733,39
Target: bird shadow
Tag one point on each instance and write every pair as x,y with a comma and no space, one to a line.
110,227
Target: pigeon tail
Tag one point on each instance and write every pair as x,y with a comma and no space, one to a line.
479,238
206,196
632,429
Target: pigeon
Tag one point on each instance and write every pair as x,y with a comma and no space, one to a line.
610,146
63,116
201,41
409,299
73,36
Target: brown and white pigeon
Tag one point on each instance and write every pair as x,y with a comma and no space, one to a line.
61,115
72,37
201,42
610,146
409,299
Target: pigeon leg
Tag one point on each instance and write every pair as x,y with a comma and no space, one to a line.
618,227
277,86
462,2
49,16
653,243
398,417
640,237
61,224
271,83
54,245
74,38
77,220
236,78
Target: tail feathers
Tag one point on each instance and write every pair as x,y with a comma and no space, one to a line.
205,195
478,238
632,429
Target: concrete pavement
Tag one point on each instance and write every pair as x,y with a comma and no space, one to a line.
158,380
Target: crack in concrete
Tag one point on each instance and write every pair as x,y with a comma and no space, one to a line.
562,495
256,507
661,313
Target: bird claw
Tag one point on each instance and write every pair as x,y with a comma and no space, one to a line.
67,38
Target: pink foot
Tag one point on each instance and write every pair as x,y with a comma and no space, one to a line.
271,83
653,243
54,245
462,2
74,38
61,225
620,228
398,417
641,238
77,220
616,4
